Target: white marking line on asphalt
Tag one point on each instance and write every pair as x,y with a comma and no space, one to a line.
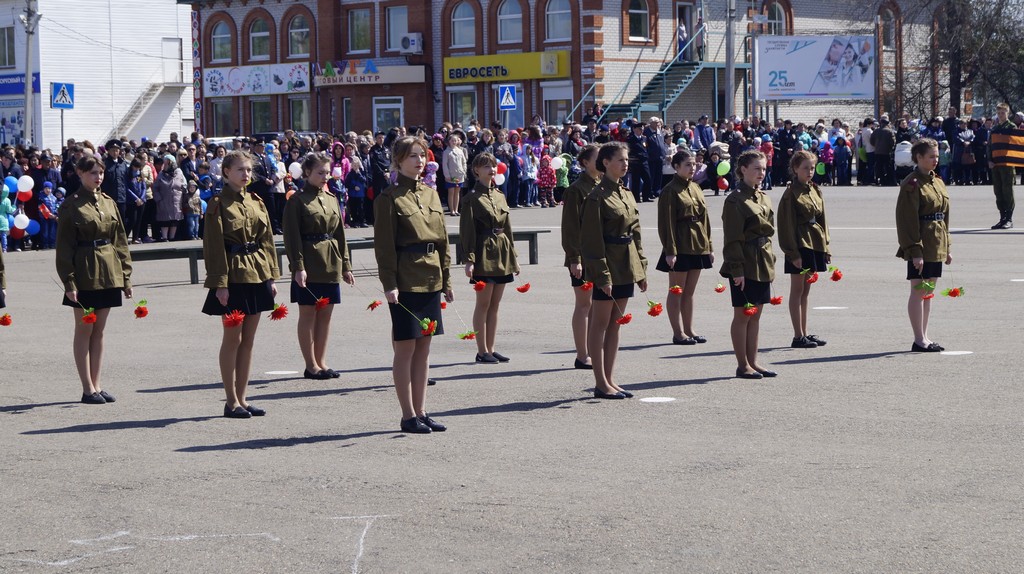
362,538
656,400
956,353
282,372
828,308
1017,280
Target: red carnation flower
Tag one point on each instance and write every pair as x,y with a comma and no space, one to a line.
719,288
141,311
323,302
430,328
479,286
233,319
836,275
468,335
812,278
5,320
444,304
523,288
777,300
654,309
927,296
749,310
587,286
624,319
279,312
675,290
373,304
90,316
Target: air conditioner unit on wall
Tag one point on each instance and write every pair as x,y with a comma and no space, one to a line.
412,44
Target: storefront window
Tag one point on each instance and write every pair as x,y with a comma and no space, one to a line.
298,37
398,26
223,118
510,22
221,40
558,20
463,107
259,40
260,115
359,39
300,114
556,110
388,113
463,26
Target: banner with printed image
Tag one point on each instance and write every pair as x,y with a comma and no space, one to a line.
815,67
256,80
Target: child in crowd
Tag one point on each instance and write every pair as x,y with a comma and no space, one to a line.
841,160
192,207
945,159
700,172
58,196
430,175
6,208
826,157
356,185
336,185
768,149
562,177
530,166
47,221
546,182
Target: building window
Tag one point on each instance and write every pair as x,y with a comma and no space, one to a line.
388,113
558,100
298,37
259,40
260,115
223,118
639,20
300,114
359,30
221,41
888,29
463,26
346,115
510,22
7,47
558,21
463,107
778,24
398,26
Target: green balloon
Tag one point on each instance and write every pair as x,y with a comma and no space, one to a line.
820,168
723,168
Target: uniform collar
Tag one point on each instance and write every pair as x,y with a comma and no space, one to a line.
407,181
233,191
797,186
924,177
479,187
744,188
310,189
685,182
90,196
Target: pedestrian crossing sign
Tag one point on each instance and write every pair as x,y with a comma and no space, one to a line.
62,96
506,97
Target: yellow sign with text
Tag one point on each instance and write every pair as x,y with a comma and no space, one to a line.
504,67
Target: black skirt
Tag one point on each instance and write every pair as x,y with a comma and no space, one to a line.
99,299
813,260
314,291
618,292
405,322
932,270
3,300
685,262
249,298
498,280
754,292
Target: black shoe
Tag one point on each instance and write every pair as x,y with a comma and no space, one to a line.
803,343
684,341
699,339
334,374
317,376
431,382
1001,224
485,358
767,373
255,411
814,339
581,365
108,397
626,394
238,412
94,399
936,346
432,424
501,358
415,426
744,375
932,348
603,395
1008,224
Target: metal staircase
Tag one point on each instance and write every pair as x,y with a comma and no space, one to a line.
144,102
660,91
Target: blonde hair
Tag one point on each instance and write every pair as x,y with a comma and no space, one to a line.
403,149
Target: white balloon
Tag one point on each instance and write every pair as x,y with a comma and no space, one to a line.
25,183
280,169
499,179
556,163
296,170
21,221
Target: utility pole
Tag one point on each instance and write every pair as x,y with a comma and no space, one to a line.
30,19
730,58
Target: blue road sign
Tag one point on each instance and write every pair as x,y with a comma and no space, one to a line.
62,96
506,97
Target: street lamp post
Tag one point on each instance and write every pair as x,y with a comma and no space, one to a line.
30,19
730,58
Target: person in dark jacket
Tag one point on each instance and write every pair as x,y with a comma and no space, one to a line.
884,140
639,172
656,152
379,167
115,179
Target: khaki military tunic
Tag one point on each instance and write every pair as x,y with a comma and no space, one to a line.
238,218
85,219
684,225
802,220
610,237
410,239
572,213
314,236
486,233
920,232
748,225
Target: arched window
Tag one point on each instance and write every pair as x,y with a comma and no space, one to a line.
778,24
221,42
639,20
510,22
463,26
298,36
888,29
558,20
259,40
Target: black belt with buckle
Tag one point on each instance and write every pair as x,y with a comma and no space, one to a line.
426,248
934,217
497,230
693,219
758,241
317,238
97,243
242,248
621,240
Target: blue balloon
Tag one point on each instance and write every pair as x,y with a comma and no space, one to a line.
12,183
206,194
33,227
203,201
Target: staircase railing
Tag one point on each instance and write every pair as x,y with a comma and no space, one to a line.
583,100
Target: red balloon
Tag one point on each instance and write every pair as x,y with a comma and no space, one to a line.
17,233
722,184
502,168
24,196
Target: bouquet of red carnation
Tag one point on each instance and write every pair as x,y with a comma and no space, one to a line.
776,300
587,285
954,292
279,312
749,310
234,319
444,305
837,275
811,277
468,335
624,319
5,320
88,315
654,309
719,288
141,310
479,286
374,304
523,288
322,302
675,290
427,327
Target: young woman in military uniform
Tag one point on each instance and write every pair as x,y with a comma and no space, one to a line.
685,231
95,267
241,266
613,258
411,246
922,226
803,237
314,239
486,235
748,225
572,211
